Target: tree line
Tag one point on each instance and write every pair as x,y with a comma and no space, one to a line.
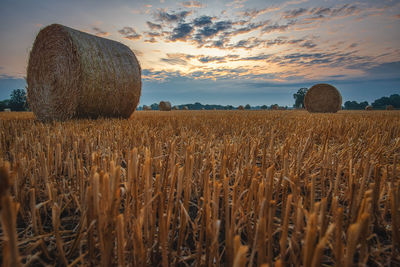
18,102
199,106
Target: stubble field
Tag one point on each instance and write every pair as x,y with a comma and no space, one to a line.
202,188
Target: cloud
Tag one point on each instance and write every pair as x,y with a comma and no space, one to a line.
153,26
99,32
247,28
383,70
220,59
202,21
276,28
181,32
153,34
248,43
177,58
308,44
236,3
353,45
151,40
318,13
171,17
210,31
208,59
256,42
348,60
294,13
162,75
192,4
253,13
174,61
258,57
129,33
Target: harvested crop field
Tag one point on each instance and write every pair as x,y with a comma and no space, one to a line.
202,188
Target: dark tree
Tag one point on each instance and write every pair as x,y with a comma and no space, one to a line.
154,106
247,106
381,102
395,100
4,104
264,107
354,105
18,100
363,104
299,98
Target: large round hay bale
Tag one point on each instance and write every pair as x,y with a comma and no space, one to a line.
72,74
323,98
389,107
165,106
240,107
146,108
369,107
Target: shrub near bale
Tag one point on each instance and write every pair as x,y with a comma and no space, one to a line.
72,74
389,107
323,98
165,106
369,107
275,107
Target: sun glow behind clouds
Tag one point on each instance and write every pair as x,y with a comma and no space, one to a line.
275,42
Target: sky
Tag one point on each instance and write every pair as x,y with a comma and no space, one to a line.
225,52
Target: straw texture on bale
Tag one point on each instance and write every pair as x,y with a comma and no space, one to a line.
72,74
369,107
240,107
323,98
389,107
165,106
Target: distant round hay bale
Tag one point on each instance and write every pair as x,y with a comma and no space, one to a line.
7,110
369,107
240,107
275,107
323,98
175,108
146,108
165,106
389,107
72,74
185,108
